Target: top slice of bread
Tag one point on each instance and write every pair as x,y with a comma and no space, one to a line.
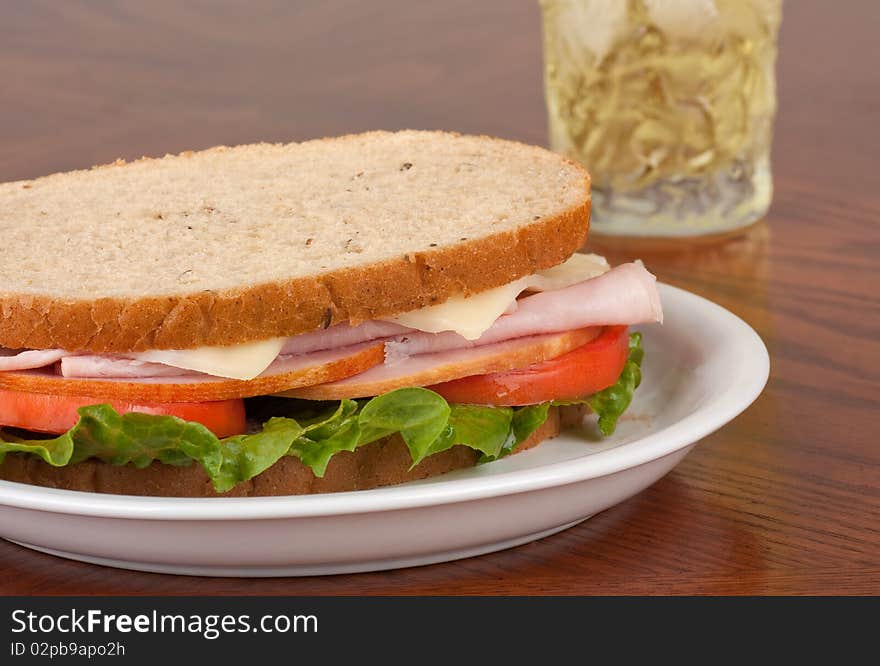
230,245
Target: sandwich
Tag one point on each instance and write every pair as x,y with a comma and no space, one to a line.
332,315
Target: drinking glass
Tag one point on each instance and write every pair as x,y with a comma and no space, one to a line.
670,106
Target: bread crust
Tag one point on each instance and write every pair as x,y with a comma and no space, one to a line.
382,463
285,308
297,306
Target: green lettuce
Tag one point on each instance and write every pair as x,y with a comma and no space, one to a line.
314,432
608,404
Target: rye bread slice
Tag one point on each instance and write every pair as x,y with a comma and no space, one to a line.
231,245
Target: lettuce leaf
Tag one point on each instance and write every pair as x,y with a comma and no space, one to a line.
484,429
245,456
57,452
314,432
419,415
326,434
613,401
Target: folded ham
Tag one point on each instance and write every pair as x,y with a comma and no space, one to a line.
14,359
341,335
94,365
626,294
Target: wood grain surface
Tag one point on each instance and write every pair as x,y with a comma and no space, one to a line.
783,500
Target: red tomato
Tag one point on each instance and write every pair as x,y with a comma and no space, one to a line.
57,413
581,372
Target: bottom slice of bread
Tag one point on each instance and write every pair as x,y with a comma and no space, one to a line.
381,463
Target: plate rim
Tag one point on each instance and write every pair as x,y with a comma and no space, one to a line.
718,411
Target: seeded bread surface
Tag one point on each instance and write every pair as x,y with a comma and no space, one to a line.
230,245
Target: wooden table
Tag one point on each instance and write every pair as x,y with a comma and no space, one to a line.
784,500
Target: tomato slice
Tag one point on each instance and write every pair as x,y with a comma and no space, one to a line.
581,372
56,414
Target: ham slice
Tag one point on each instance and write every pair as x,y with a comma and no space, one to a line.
626,294
285,372
13,359
341,335
428,369
90,365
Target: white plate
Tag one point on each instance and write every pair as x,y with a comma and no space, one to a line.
702,368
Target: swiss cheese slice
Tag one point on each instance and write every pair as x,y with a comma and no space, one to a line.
244,361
